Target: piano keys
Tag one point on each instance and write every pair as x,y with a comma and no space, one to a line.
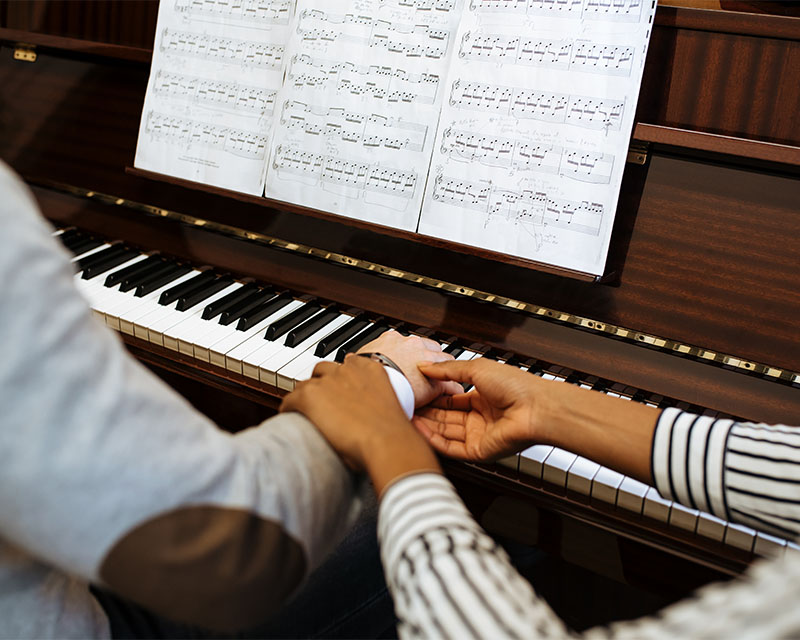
277,337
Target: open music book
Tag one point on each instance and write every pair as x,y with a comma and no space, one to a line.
500,124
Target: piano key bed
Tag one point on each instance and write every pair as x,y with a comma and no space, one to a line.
257,332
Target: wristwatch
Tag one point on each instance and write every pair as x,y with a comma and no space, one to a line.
384,360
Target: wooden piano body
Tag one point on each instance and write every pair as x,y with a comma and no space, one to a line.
699,305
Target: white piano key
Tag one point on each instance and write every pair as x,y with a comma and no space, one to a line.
510,462
171,322
235,358
605,485
137,307
283,375
233,337
683,517
630,495
656,507
792,547
711,527
178,335
467,355
268,368
557,465
531,460
739,536
90,252
301,369
768,545
581,474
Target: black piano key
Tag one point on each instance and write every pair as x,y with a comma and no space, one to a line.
203,292
236,311
172,294
162,279
100,256
86,244
292,320
333,341
120,275
68,236
264,310
312,325
367,335
145,275
98,268
225,302
455,348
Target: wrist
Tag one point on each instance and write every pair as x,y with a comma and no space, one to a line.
389,456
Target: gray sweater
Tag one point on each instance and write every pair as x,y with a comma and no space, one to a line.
108,476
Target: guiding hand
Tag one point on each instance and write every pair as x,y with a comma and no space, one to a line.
496,418
406,352
355,408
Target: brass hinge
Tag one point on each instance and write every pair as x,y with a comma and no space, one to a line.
25,53
637,152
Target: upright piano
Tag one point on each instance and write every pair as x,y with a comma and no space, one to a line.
698,307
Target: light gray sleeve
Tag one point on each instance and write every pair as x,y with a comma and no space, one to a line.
451,580
108,474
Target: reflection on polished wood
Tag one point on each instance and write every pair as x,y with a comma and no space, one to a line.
704,251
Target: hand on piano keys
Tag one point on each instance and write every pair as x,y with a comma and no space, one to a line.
270,335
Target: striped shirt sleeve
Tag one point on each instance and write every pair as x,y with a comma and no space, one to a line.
450,580
740,471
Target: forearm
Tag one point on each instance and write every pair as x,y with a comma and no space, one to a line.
403,453
613,432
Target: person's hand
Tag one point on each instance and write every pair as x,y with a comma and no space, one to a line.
408,351
355,408
496,418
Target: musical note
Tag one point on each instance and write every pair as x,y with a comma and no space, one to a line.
499,151
519,207
230,50
215,93
611,10
562,55
259,12
590,113
413,41
425,5
246,144
370,81
350,178
368,130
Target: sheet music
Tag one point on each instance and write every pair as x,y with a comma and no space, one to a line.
535,129
209,110
360,105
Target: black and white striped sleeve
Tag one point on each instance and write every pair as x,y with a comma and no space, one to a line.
447,577
740,471
450,580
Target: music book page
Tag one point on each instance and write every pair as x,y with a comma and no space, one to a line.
217,67
534,133
499,124
360,105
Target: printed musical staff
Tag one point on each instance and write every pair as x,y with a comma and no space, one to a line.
254,12
409,40
368,130
562,55
524,104
498,151
611,10
374,82
215,93
519,207
353,179
424,5
188,133
230,50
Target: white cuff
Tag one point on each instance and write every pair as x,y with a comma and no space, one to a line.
402,389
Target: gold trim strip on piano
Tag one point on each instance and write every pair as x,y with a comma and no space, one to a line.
629,335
